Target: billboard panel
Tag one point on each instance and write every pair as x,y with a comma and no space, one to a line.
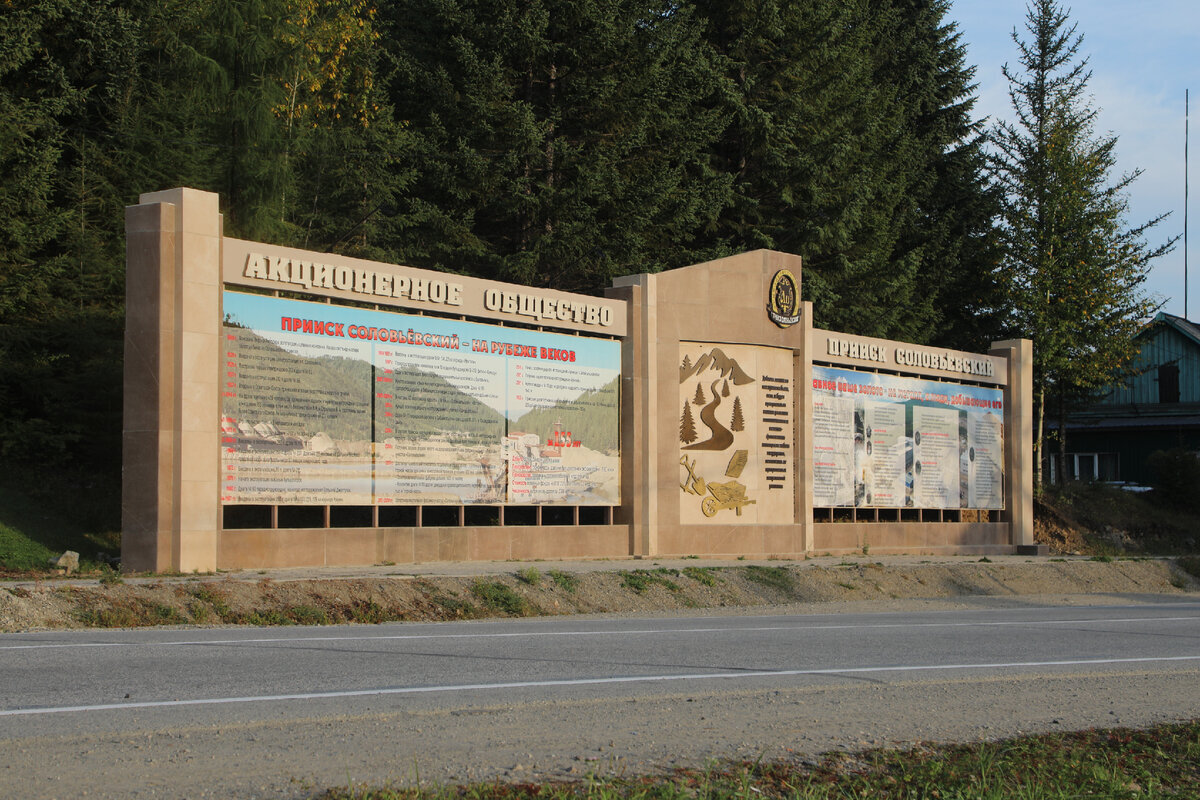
885,441
335,405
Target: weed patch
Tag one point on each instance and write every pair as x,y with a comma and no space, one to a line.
368,612
702,575
216,599
640,580
308,615
269,617
775,577
1190,565
1119,763
530,576
502,598
564,580
110,577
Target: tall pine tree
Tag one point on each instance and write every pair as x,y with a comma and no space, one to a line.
560,144
851,144
1073,268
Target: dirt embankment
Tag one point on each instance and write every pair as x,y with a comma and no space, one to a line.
543,589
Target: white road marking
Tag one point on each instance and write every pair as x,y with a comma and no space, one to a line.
635,632
207,701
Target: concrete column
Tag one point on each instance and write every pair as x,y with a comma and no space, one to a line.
171,488
633,358
804,413
1018,442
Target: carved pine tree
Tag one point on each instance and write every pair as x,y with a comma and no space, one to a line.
738,423
687,426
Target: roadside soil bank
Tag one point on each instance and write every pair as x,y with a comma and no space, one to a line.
470,591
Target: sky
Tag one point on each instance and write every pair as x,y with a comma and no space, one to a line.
1143,55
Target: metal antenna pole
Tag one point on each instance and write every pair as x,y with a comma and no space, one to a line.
1185,203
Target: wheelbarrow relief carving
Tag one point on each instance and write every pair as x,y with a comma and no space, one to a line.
717,379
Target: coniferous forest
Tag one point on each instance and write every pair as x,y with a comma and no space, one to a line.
556,143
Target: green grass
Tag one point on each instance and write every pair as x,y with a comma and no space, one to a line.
779,578
215,598
564,580
1161,762
308,615
640,580
33,530
501,597
703,575
529,576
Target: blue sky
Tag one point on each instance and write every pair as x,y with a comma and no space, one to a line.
1143,55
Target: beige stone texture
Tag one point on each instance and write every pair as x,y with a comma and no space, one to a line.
426,545
348,546
172,324
453,544
270,549
198,548
889,538
783,540
821,353
717,304
178,263
236,252
1018,443
490,544
147,498
200,462
398,545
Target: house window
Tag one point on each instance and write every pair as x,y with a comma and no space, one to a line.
1088,467
1168,383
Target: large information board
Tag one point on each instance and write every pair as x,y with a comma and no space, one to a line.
889,441
335,405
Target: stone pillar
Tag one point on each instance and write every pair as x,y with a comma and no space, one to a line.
804,414
639,404
171,474
1018,443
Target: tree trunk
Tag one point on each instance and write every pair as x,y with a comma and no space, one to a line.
551,88
1062,441
1037,441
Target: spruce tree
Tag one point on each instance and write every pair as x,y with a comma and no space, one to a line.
851,145
1073,268
559,144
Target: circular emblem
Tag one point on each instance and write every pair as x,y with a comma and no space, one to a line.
783,302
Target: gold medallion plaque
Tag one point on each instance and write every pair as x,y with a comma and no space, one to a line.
783,302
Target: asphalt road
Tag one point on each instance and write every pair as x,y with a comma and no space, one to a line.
282,712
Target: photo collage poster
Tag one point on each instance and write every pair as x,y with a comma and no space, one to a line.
886,441
736,433
338,405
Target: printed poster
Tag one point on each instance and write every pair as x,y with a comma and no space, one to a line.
336,405
886,441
